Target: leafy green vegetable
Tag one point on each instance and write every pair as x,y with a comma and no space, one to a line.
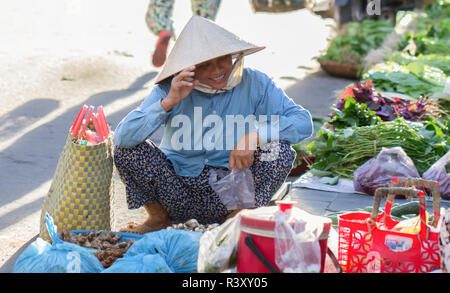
415,81
354,114
432,60
428,74
438,61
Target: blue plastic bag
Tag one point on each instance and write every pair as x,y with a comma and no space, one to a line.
182,250
179,248
58,257
140,263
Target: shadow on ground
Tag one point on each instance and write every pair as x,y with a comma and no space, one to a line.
32,159
317,92
28,113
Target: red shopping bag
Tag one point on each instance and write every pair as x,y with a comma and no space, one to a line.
368,243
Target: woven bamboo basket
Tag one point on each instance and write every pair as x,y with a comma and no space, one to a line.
340,69
80,194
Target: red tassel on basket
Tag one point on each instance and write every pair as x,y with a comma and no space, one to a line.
77,122
88,118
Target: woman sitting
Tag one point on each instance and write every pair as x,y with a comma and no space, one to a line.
217,115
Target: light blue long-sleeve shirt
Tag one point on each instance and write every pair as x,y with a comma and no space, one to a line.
204,128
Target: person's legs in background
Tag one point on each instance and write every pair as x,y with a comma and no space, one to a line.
205,8
159,21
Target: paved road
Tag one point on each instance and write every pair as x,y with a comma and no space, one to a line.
56,55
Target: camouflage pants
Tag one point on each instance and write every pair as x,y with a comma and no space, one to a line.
159,13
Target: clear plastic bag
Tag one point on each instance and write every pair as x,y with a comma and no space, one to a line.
297,248
218,247
235,189
58,257
440,172
379,171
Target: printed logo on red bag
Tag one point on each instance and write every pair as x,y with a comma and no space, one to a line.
398,243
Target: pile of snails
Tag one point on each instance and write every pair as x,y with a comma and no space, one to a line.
193,225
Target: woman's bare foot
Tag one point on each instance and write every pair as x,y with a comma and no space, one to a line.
145,227
157,219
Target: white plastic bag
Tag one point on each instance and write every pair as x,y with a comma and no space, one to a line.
297,248
218,247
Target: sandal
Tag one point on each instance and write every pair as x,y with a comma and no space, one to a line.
159,56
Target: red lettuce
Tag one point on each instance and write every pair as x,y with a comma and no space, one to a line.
386,108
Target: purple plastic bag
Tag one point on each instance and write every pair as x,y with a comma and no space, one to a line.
379,171
440,172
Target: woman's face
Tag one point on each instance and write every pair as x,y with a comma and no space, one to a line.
215,72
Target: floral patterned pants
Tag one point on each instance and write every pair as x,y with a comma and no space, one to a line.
159,13
149,177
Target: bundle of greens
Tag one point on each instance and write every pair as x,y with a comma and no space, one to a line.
336,153
357,40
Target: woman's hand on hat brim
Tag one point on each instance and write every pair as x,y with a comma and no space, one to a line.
179,88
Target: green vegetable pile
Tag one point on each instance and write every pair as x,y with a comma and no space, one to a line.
421,65
432,34
364,120
342,151
357,40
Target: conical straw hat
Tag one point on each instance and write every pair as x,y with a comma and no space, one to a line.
200,41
